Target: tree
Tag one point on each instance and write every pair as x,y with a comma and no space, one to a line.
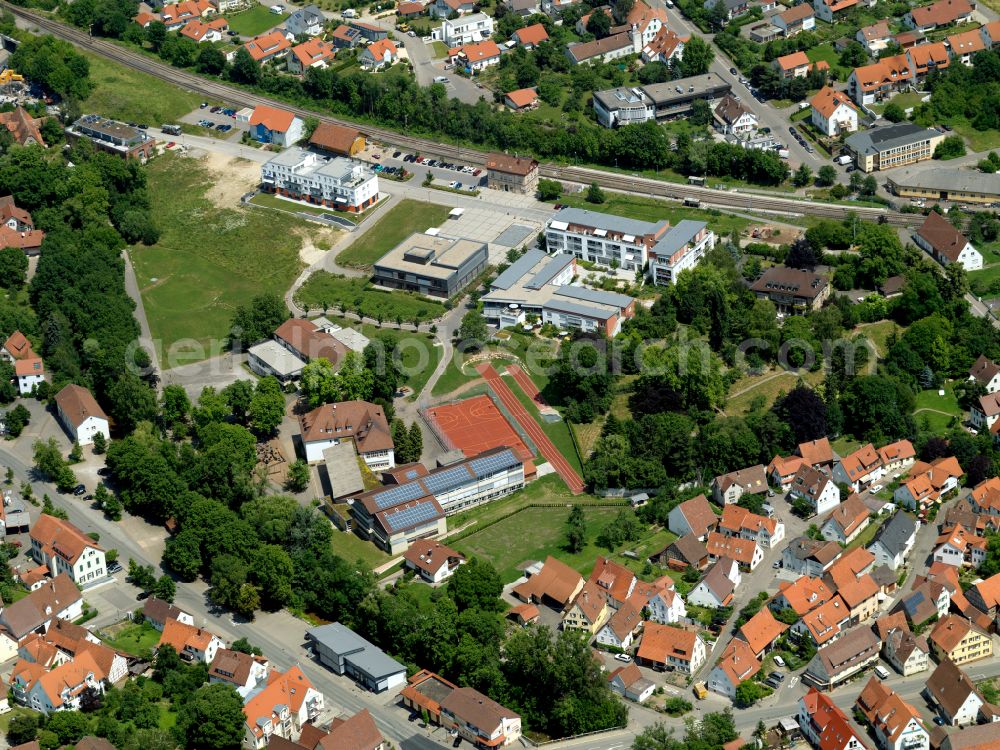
13,268
17,420
749,692
548,190
245,69
132,401
245,647
893,112
273,572
257,320
267,407
804,412
100,443
318,382
826,175
22,728
950,148
175,407
599,24
476,585
854,55
701,112
803,176
803,254
473,331
595,194
575,530
298,476
212,718
696,57
50,464
183,554
165,588
415,442
210,60
238,396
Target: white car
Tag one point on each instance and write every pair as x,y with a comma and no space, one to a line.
623,657
876,488
452,184
779,661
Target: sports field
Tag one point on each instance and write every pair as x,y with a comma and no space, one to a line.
476,425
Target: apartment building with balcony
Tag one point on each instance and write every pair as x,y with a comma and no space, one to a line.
340,183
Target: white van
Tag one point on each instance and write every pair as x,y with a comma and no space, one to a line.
882,672
277,10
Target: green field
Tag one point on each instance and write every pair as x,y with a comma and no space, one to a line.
878,334
126,94
353,548
533,534
209,259
400,222
990,251
829,54
650,209
557,432
864,538
982,282
979,140
134,639
325,289
255,21
438,50
947,403
267,200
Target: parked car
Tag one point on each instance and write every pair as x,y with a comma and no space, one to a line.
203,105
396,154
114,567
734,72
623,657
779,661
777,675
79,490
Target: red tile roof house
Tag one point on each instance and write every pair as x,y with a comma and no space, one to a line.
521,99
176,15
942,13
57,598
59,689
210,31
666,646
825,725
65,549
945,243
244,672
827,10
360,421
190,642
81,415
431,560
282,708
475,57
729,488
860,468
897,724
17,229
629,683
694,516
314,53
378,54
16,347
530,36
963,46
736,665
985,412
277,126
268,47
795,65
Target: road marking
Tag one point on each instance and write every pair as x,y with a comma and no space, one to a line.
791,682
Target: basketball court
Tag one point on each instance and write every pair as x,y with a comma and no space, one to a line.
475,425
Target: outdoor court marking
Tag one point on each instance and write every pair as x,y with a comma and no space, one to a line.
475,425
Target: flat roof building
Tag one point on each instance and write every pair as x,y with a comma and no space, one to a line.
435,265
345,652
945,184
893,146
271,358
336,182
659,101
540,286
343,471
113,137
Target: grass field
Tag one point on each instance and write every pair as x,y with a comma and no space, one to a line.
979,140
209,259
533,534
844,445
404,219
829,54
167,718
255,21
650,209
990,251
353,548
126,94
557,432
905,100
864,538
135,639
769,389
878,334
587,435
325,289
438,49
15,710
947,403
273,201
980,282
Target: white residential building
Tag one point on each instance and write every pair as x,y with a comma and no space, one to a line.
463,30
833,112
681,248
336,182
815,488
63,548
80,415
307,21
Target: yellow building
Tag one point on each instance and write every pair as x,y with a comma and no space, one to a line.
945,185
956,638
893,146
589,611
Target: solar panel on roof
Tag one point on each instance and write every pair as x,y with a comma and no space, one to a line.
397,495
409,517
411,474
491,464
445,480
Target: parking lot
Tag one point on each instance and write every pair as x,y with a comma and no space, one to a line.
222,122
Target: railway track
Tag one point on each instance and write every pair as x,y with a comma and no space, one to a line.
724,199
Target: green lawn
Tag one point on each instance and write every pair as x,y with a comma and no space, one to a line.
15,710
557,432
209,259
829,54
878,334
353,548
404,219
533,534
990,251
126,94
905,100
274,201
947,403
986,282
167,718
135,639
255,21
979,140
865,537
438,50
651,209
325,289
453,378
844,445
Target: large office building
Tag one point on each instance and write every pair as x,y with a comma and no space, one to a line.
945,184
539,287
431,264
630,244
659,101
395,516
343,184
113,137
897,145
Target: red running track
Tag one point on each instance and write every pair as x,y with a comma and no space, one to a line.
527,385
532,428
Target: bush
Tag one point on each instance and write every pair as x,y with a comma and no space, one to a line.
595,194
549,190
950,148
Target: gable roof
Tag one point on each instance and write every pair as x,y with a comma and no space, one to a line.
895,533
659,642
362,421
951,630
983,370
40,605
233,667
17,344
850,514
805,593
625,621
283,689
736,519
522,97
886,71
967,42
333,137
861,462
430,555
835,729
793,61
699,515
797,13
719,583
556,581
877,30
58,537
590,602
477,709
940,13
356,733
533,34
761,630
267,45
738,662
989,590
617,580
385,46
817,451
752,479
938,232
78,405
312,50
741,550
824,622
181,635
690,548
517,165
950,686
157,610
274,119
729,110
